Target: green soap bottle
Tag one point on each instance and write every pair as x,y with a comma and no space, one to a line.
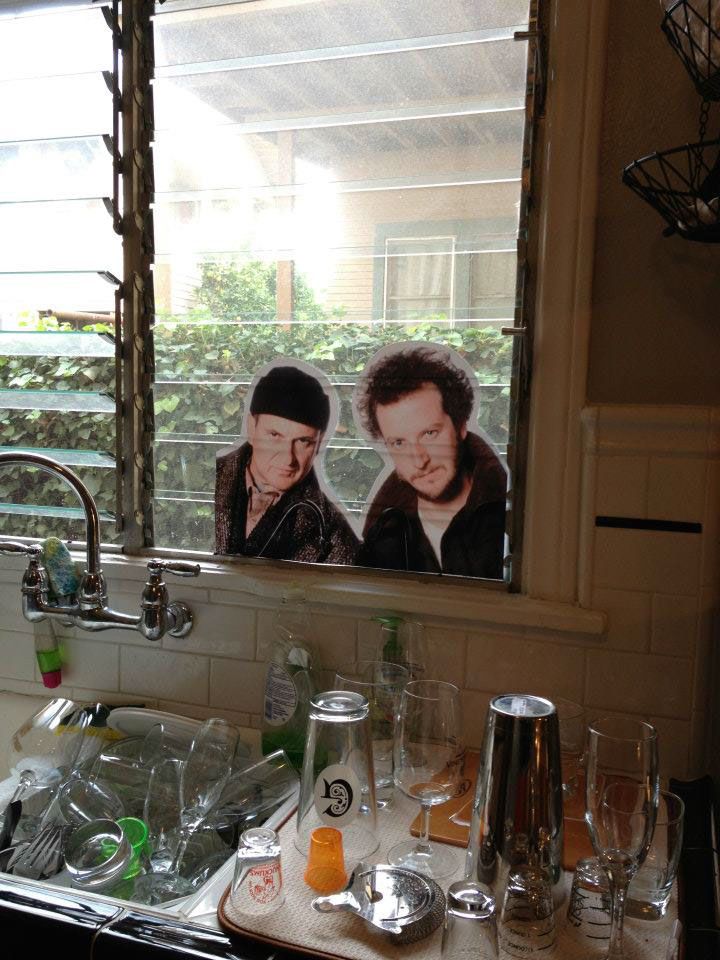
290,680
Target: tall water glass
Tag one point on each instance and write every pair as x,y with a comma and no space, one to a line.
428,761
337,787
621,805
381,684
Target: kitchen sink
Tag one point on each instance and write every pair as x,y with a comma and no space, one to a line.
99,925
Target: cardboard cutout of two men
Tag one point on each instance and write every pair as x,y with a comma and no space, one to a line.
438,505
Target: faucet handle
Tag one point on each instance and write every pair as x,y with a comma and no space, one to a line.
178,567
12,548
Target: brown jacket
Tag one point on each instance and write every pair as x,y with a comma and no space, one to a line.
304,525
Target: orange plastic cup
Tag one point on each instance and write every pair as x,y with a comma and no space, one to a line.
325,871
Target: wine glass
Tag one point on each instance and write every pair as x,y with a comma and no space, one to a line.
47,745
428,762
621,793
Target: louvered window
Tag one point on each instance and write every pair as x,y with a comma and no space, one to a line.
60,259
307,179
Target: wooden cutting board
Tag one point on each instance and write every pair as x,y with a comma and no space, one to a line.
450,822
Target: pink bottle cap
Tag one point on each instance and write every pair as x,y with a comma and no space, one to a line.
52,679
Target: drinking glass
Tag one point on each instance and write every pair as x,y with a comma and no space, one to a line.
527,917
381,684
252,793
470,929
621,790
337,787
127,778
403,642
571,719
81,800
650,888
204,775
161,812
161,742
428,761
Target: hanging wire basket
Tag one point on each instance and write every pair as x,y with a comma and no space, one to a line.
693,29
683,185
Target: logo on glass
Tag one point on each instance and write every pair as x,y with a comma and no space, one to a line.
337,795
341,794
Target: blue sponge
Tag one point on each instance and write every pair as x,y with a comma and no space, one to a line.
63,573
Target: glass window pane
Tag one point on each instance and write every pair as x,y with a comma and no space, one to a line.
352,181
57,244
246,30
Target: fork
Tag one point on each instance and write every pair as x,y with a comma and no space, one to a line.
43,856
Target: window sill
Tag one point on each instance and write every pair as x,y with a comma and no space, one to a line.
441,597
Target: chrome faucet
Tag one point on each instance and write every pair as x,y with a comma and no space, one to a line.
89,609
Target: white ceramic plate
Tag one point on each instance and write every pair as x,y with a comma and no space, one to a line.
136,721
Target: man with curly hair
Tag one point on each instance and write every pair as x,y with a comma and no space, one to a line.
442,507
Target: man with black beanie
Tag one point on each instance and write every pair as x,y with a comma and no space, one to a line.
268,502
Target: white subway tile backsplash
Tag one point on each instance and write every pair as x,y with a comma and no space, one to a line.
237,685
674,625
11,616
622,486
507,665
90,664
629,618
165,675
647,560
475,705
673,745
30,688
640,683
224,631
369,633
676,488
17,656
204,713
265,634
445,655
335,639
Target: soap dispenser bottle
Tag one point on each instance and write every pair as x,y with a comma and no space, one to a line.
290,679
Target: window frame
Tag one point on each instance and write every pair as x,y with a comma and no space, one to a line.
553,588
463,233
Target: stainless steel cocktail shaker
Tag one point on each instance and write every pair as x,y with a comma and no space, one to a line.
517,814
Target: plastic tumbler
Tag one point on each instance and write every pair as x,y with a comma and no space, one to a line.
337,787
325,871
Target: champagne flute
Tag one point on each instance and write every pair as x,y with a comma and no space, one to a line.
428,763
202,779
622,788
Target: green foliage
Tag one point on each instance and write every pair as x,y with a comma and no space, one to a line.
204,363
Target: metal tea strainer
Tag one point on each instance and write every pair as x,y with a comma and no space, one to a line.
400,902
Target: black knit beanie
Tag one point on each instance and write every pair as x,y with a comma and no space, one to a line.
293,394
